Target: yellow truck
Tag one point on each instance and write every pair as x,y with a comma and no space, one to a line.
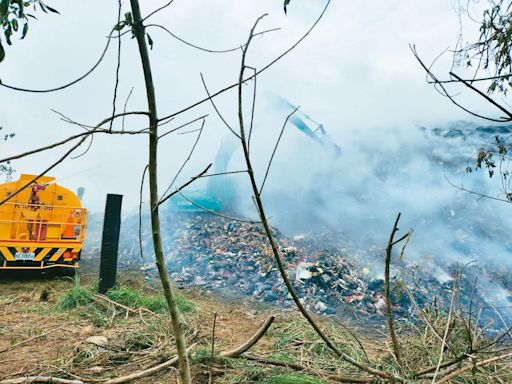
41,227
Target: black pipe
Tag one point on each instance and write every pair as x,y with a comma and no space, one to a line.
110,243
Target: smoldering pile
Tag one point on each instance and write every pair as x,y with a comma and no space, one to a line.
234,257
219,254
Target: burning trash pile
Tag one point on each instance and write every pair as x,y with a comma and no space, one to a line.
220,254
234,257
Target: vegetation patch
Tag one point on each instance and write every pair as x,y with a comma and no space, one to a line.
76,297
137,299
81,295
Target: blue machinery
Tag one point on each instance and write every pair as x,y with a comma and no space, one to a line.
219,192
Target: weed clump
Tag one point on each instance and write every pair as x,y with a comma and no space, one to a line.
136,299
76,296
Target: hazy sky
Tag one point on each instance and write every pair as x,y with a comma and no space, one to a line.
354,73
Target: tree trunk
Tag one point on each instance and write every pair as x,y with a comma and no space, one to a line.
139,32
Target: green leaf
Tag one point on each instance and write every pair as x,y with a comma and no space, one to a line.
20,7
119,26
4,6
25,30
286,2
2,53
150,41
53,10
8,33
128,18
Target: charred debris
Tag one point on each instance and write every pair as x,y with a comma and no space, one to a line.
233,258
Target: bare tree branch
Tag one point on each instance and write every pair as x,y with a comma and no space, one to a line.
445,93
192,179
58,161
73,137
270,237
182,126
158,10
461,187
253,108
389,313
486,97
251,342
275,148
140,209
208,50
91,70
216,109
328,2
223,173
216,213
118,66
125,105
184,163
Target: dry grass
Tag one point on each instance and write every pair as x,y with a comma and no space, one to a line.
140,339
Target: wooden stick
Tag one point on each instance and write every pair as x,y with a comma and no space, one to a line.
471,365
299,367
40,379
146,372
125,307
389,313
249,343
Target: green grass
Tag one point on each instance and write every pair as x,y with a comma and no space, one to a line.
80,295
137,299
76,296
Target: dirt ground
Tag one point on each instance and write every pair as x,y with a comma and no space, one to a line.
38,339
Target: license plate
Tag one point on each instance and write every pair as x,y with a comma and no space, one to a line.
24,255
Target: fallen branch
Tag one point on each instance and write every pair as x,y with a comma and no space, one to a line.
40,379
251,342
27,341
147,372
472,365
298,367
116,304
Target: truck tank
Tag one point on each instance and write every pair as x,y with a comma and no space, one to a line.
41,227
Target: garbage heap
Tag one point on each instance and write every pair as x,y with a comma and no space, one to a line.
330,276
221,254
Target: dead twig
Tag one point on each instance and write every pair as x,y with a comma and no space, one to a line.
389,314
447,330
299,367
147,372
125,307
40,379
473,365
249,343
192,179
140,209
210,375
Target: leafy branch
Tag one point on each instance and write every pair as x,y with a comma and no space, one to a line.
14,19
